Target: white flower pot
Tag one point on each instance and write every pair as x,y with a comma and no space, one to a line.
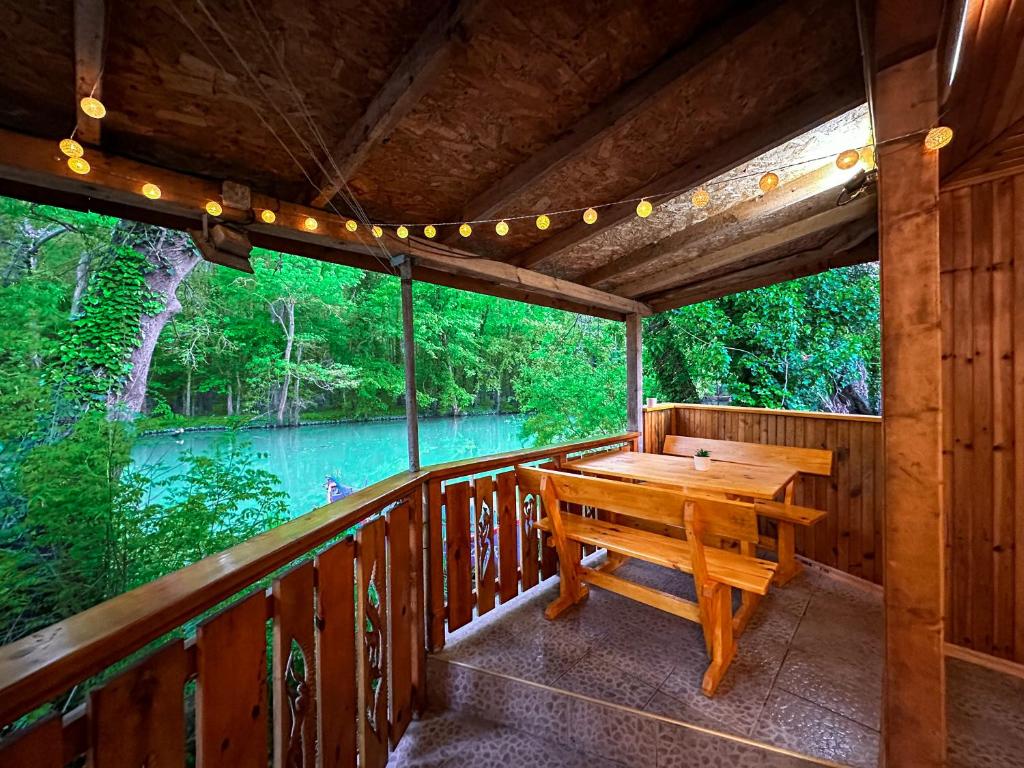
702,463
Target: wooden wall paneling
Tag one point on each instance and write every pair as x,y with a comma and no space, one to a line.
949,321
336,655
843,495
138,717
867,497
372,644
508,536
400,615
231,686
39,746
294,669
435,536
1002,418
1018,415
459,555
484,543
831,554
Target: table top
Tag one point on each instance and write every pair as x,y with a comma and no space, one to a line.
723,477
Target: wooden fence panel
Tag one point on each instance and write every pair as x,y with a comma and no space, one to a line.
400,592
336,654
138,717
372,655
294,669
435,538
40,746
529,514
483,543
508,537
231,686
459,555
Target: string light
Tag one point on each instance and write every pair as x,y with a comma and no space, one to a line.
644,208
430,231
402,232
501,228
768,182
377,231
71,148
93,107
351,225
700,198
79,165
590,216
847,159
268,216
465,230
543,221
938,137
152,191
213,208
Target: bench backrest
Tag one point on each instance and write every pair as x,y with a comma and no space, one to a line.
735,520
808,461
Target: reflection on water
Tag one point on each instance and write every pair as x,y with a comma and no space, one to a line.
356,454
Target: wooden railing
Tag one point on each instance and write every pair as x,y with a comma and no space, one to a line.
851,537
347,642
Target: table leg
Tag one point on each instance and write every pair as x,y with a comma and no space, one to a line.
788,565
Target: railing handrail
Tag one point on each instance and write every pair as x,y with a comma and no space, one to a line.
49,661
772,411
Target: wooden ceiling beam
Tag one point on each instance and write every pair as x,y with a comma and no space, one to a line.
775,129
631,98
838,252
33,169
411,79
90,32
732,218
739,252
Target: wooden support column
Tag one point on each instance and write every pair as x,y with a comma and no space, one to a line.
914,714
409,358
635,376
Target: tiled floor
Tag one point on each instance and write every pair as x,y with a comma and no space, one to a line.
807,676
986,717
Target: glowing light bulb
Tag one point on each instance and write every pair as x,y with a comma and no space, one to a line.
213,208
700,198
847,159
310,223
543,221
465,230
152,191
79,165
501,228
939,137
268,216
402,232
644,208
93,107
71,148
430,231
351,225
590,215
377,231
768,182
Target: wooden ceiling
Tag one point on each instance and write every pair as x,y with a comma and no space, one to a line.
436,111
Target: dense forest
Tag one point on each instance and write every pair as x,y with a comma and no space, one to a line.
110,328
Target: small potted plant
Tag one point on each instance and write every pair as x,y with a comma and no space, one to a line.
702,460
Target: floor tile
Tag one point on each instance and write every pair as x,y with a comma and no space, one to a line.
986,717
680,747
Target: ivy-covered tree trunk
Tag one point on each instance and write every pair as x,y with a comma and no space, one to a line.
169,257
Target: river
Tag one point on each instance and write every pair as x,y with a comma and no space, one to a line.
356,453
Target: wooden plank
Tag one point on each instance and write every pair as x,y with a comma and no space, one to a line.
294,669
39,746
400,593
811,461
484,543
90,25
508,537
914,717
946,233
436,553
655,598
418,601
459,555
336,655
372,644
231,686
843,496
867,517
1018,414
138,717
529,514
414,75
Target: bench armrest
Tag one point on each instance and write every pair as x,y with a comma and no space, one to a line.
790,513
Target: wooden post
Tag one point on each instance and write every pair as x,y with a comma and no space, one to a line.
409,358
914,717
634,376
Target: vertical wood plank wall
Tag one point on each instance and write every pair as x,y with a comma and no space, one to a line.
982,248
851,537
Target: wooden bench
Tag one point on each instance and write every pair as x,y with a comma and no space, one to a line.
715,571
806,461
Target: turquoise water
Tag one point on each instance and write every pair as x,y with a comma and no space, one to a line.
356,454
